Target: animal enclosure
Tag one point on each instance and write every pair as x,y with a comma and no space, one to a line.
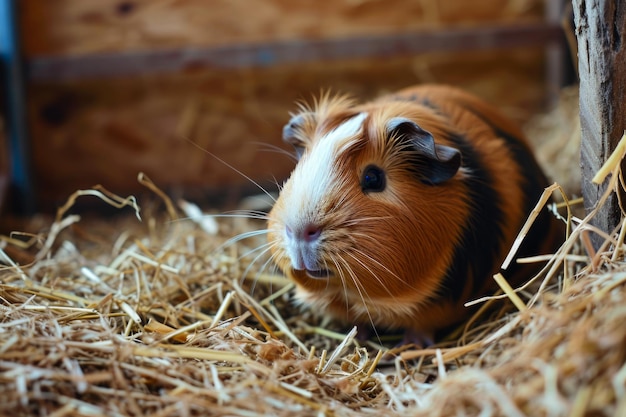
131,298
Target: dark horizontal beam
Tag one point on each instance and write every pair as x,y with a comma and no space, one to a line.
52,68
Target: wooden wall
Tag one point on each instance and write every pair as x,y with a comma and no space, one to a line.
105,130
79,27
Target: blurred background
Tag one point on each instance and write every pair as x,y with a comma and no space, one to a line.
94,92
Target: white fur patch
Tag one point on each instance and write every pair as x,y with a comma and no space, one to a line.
315,173
312,181
340,137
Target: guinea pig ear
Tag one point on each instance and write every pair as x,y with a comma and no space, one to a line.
440,162
291,133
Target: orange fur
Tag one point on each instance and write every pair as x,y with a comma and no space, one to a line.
390,251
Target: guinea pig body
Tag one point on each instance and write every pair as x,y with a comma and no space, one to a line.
401,209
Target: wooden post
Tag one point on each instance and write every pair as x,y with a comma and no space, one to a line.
601,33
11,72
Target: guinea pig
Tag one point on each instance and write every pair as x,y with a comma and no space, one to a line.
401,209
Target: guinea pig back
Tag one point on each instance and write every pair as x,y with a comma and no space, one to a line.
401,209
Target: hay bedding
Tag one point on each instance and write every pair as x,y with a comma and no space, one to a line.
121,317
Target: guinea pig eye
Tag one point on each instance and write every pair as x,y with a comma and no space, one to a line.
373,179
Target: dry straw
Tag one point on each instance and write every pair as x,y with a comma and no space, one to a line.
122,317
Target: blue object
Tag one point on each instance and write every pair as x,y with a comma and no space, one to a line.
20,174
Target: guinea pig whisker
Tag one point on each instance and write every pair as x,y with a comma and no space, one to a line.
328,268
244,214
270,262
342,278
362,291
268,147
366,236
240,237
394,275
373,274
264,249
217,158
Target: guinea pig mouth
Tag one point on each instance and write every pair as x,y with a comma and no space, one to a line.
319,273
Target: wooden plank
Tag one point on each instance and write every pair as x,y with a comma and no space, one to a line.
73,27
107,130
295,51
601,28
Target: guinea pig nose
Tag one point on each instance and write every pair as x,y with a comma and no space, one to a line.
308,233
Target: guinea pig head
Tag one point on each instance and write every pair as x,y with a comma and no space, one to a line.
369,218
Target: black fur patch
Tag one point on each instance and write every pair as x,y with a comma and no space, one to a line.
534,184
481,236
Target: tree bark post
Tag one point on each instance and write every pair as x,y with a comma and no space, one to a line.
601,35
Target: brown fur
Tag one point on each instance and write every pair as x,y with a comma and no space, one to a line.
390,250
